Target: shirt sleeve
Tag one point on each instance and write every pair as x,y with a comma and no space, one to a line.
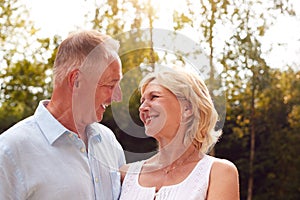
115,145
12,181
122,159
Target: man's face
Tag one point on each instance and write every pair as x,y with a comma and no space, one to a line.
108,88
96,89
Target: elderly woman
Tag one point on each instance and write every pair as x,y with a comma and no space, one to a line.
178,112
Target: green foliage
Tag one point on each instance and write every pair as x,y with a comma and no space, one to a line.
256,103
276,168
276,161
24,84
20,92
25,76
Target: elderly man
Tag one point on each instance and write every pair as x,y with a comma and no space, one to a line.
61,152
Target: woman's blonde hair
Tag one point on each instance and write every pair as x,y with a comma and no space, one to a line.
189,86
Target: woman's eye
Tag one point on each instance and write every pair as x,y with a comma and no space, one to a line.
154,96
149,98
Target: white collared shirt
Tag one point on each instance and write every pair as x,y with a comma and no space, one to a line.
41,159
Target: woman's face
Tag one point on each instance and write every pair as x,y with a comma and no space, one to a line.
159,111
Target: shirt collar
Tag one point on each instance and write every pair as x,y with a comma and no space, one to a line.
92,132
50,127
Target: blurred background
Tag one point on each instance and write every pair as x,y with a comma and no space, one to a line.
253,56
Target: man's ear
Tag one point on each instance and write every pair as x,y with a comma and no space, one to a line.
73,78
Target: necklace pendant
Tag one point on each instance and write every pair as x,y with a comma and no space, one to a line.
167,171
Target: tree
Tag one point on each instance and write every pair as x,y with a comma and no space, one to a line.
24,69
25,83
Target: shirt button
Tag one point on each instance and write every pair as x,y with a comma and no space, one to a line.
96,180
82,149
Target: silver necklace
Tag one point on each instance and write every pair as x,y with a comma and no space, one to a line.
168,170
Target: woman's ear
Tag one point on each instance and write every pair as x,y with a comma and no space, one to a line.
73,78
187,110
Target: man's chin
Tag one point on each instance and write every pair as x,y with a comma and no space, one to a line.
99,118
87,121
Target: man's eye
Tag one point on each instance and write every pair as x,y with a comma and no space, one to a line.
110,86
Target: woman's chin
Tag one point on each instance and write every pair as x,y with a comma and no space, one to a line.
151,133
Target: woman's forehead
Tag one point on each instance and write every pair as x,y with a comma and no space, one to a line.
155,86
152,85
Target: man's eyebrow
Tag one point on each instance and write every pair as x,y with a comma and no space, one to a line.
115,80
111,81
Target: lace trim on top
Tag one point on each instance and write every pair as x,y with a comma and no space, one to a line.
194,186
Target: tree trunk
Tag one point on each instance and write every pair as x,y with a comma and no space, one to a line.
152,59
211,56
252,143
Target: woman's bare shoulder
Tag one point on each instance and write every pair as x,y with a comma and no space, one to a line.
223,169
224,180
221,165
123,170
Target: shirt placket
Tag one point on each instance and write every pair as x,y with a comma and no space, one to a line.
95,169
82,148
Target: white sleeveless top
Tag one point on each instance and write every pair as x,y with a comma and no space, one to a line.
194,187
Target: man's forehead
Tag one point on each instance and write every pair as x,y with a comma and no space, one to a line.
111,74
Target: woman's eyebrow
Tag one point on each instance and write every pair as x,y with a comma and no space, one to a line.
150,93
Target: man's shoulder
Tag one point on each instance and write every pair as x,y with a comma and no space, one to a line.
107,145
101,128
18,136
20,129
105,132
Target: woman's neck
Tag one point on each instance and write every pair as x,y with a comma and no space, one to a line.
176,153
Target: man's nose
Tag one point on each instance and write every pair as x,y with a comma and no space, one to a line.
117,94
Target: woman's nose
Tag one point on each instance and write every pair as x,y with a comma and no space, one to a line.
144,106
